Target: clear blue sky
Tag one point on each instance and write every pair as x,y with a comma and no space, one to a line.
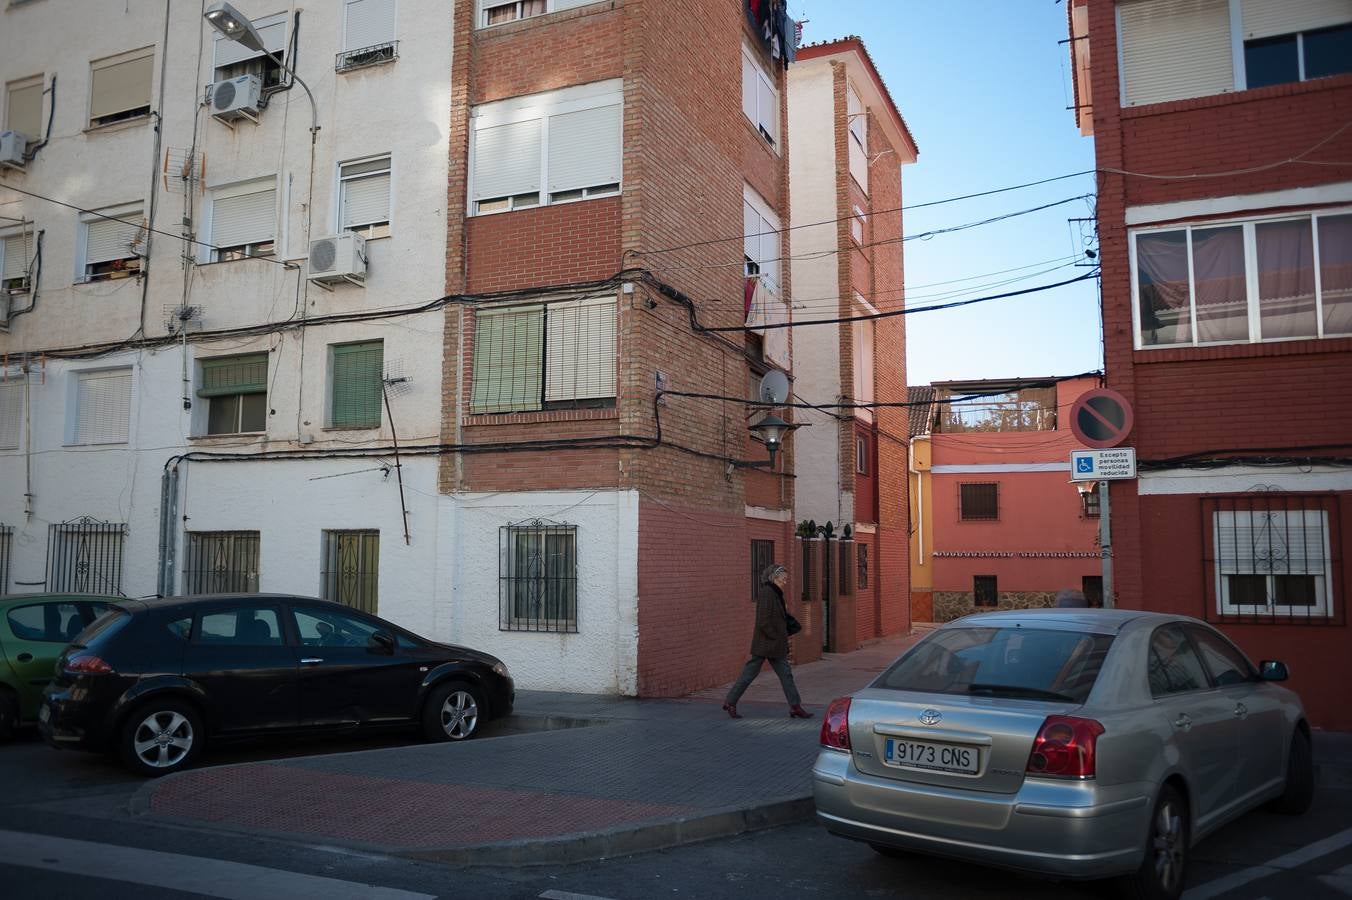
983,87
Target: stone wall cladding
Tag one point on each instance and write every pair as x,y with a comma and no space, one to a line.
950,605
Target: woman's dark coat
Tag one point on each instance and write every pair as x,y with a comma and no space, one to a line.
771,637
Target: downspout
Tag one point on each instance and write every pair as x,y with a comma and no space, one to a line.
168,543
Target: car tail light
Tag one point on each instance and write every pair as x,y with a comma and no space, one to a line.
836,725
87,664
1065,747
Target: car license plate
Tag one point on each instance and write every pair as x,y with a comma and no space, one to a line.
44,713
931,756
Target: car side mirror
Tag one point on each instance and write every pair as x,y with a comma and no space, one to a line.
1273,670
381,642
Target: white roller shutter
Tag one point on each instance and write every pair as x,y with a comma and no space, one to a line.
121,83
750,84
585,148
271,29
103,407
244,219
507,160
369,22
752,226
366,200
11,414
18,250
580,349
1269,18
768,103
107,240
1174,49
23,110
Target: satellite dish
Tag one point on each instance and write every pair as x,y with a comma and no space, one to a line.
774,387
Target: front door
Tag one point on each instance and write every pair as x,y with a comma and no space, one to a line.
347,677
240,656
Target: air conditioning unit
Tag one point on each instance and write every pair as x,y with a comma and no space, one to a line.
338,258
237,98
13,147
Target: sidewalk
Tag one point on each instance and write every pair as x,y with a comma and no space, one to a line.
610,776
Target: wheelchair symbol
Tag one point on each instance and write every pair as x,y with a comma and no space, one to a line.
1084,465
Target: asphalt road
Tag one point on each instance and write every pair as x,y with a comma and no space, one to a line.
64,832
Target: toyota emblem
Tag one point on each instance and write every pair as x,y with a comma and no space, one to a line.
931,717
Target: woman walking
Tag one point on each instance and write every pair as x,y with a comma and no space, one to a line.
770,643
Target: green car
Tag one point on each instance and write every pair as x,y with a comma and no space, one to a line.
34,629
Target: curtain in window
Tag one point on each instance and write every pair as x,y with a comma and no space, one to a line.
1335,273
1219,285
1162,287
1286,279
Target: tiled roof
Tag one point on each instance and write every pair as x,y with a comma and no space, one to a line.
922,413
854,41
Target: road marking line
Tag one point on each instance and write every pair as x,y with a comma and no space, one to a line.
1286,861
565,895
177,872
1340,881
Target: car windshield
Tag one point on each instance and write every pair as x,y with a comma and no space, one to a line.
1022,663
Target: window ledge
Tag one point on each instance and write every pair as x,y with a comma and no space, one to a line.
250,437
118,126
243,259
350,428
1296,347
1290,89
542,415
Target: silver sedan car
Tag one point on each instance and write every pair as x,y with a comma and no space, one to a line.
1074,743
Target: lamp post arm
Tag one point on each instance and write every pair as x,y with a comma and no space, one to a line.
314,109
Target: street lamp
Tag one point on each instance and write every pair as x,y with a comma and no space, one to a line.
771,431
235,26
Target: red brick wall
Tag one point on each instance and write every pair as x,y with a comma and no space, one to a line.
575,46
560,244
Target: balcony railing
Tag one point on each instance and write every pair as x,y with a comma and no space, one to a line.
375,55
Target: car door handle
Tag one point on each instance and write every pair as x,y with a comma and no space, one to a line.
1241,711
24,657
311,661
1183,722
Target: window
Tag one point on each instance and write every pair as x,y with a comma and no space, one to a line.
243,220
23,107
102,407
863,358
221,562
84,556
235,388
1092,588
862,551
761,245
537,577
364,197
11,416
861,466
119,87
322,628
1091,503
245,626
1272,556
496,12
357,384
856,118
16,258
978,501
1285,41
553,356
1244,282
233,60
56,623
760,97
111,244
547,148
351,573
985,591
857,225
1223,662
762,558
368,34
1172,666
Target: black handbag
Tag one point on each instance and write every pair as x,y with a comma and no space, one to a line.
792,625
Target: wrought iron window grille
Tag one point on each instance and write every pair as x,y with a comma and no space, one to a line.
362,57
84,556
537,577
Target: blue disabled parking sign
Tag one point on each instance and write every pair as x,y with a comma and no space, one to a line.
1103,465
1084,465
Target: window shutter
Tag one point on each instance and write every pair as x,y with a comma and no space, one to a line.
1269,18
107,239
23,109
244,219
752,226
585,148
507,160
11,415
1173,49
366,200
507,360
580,350
103,407
234,375
369,22
18,250
750,88
273,33
358,370
121,83
767,104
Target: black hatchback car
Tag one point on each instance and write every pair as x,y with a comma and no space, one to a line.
155,680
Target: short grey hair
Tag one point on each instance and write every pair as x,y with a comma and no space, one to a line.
772,572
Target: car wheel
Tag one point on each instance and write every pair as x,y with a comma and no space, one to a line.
161,737
892,852
452,712
9,714
1164,868
1299,793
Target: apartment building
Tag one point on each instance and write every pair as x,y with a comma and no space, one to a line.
848,144
1223,134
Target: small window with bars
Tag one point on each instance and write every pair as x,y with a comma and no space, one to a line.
862,553
84,556
357,386
985,592
537,577
979,501
1091,503
351,573
221,562
235,388
762,558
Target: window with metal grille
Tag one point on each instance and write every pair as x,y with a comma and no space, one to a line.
762,557
846,567
1272,556
979,500
84,556
862,552
235,388
556,356
357,370
1091,503
221,562
351,573
6,540
537,577
985,591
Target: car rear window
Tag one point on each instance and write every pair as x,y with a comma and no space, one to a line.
1022,663
104,625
